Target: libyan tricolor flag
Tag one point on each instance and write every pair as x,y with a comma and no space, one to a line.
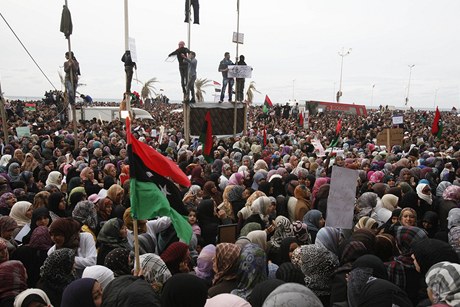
151,193
337,133
206,136
436,128
267,104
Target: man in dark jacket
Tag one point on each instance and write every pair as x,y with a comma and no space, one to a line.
183,65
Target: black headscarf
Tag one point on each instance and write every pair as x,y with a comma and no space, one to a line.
262,290
184,290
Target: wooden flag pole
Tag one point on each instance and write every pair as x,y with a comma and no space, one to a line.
72,106
136,247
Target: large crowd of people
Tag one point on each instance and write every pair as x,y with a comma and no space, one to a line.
67,234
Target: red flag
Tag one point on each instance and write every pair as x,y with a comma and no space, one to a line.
268,102
338,127
206,135
156,161
265,137
301,119
435,126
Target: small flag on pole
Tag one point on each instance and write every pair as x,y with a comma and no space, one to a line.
267,104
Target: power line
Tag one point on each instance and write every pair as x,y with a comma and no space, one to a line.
28,52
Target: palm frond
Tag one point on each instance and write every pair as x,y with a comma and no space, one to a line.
148,88
199,85
250,92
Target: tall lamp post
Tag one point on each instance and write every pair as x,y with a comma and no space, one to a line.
342,54
408,84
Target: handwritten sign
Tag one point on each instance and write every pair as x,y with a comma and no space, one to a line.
319,149
22,131
398,120
239,71
341,200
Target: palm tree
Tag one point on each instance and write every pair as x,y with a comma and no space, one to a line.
199,85
250,92
148,89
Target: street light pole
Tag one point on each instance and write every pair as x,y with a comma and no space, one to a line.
342,54
408,84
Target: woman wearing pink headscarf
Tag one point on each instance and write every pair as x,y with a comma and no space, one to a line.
318,183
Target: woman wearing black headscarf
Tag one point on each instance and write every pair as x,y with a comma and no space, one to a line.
40,217
57,206
209,221
34,253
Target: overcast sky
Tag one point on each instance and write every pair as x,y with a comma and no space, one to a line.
292,45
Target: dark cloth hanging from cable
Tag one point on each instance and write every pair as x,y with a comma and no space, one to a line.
196,11
66,22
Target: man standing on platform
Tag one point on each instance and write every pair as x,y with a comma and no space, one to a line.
223,68
191,76
240,82
183,65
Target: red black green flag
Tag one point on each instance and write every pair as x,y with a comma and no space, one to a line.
152,193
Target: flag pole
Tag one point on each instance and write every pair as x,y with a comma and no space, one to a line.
186,107
127,98
72,106
237,44
137,267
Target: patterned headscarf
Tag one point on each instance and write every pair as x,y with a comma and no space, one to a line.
301,232
154,269
283,230
226,260
317,264
13,278
58,269
85,213
118,261
366,222
251,271
444,281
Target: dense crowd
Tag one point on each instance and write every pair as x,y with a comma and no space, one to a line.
67,236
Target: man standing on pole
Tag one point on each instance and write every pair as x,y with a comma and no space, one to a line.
223,68
129,69
183,65
71,68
